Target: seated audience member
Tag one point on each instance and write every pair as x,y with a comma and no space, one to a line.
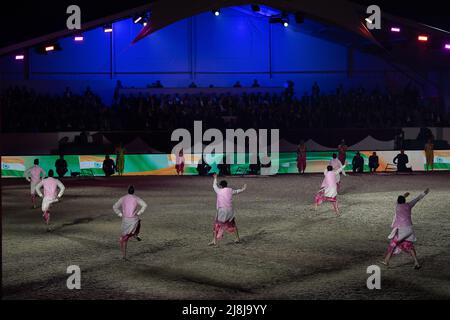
61,166
109,167
203,168
358,163
401,160
255,84
237,85
255,168
373,162
192,85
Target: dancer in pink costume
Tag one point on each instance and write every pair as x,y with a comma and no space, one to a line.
34,175
127,208
402,235
337,164
51,194
328,189
179,163
225,219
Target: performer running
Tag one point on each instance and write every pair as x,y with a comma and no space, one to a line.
126,208
342,148
301,157
51,186
179,163
33,176
328,189
402,236
225,219
337,164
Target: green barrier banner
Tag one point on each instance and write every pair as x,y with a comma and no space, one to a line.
164,164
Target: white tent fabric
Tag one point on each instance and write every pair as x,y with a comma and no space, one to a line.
370,143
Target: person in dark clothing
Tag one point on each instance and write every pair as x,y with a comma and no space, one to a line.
203,168
358,163
109,167
373,162
61,166
401,160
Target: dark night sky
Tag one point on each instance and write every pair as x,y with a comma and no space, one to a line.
23,20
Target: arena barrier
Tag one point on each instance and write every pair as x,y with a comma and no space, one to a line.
164,164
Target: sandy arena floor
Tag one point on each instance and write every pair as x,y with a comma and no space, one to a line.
288,251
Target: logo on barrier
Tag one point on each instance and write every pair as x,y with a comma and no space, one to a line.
234,146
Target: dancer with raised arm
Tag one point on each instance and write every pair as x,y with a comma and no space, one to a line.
328,189
225,219
402,235
127,208
51,194
34,175
337,164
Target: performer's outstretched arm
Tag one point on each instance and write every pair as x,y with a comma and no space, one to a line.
142,204
413,202
26,174
116,207
61,189
215,187
240,190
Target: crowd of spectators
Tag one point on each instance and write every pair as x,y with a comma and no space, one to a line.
24,110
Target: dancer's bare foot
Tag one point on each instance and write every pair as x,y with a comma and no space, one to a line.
417,266
237,241
212,243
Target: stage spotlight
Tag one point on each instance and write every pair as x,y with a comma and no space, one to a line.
78,38
107,28
20,57
255,8
144,24
395,29
49,48
369,21
216,12
285,24
136,19
447,46
422,38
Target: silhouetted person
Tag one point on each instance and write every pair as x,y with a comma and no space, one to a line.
203,168
401,160
61,166
109,167
373,162
358,163
255,84
237,85
255,168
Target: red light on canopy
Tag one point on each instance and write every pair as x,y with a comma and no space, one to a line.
422,38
